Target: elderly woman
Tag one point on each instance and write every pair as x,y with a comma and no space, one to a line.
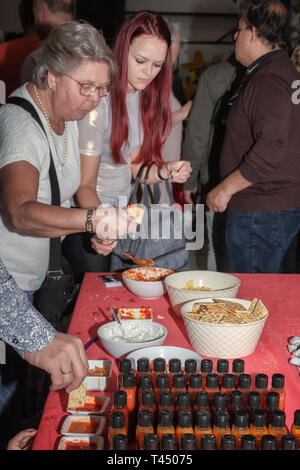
73,72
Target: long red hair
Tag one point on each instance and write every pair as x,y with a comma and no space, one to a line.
155,99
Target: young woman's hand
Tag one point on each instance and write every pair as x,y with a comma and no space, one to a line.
178,172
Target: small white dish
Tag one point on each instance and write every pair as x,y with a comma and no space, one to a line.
91,399
167,352
97,421
97,442
96,383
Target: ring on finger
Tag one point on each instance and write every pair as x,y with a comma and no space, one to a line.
67,372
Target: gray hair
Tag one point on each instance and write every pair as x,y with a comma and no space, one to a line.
67,47
174,28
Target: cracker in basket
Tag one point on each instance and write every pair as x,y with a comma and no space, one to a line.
77,397
211,317
192,315
256,312
234,319
230,304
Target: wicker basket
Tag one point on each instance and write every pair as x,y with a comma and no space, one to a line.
223,340
221,284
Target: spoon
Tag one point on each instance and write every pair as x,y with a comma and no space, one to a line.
139,261
118,321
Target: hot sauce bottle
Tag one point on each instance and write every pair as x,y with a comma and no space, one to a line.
129,386
261,386
124,368
165,424
178,385
295,428
143,367
159,367
174,368
120,404
268,442
272,404
144,426
169,442
120,442
208,442
221,426
188,442
277,426
166,401
206,367
190,367
236,403
151,442
248,442
145,384
148,403
244,386
184,424
211,386
201,402
238,368
162,384
240,426
117,426
203,425
288,442
228,384
254,402
228,442
219,403
258,426
195,385
222,368
183,402
277,385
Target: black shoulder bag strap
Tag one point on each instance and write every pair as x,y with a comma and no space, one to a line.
54,269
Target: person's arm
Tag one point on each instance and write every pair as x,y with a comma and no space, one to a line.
178,171
86,195
182,113
219,197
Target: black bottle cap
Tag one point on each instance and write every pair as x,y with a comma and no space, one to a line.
244,381
288,442
268,442
272,400
278,418
143,364
212,381
220,400
259,418
165,418
117,419
278,380
190,366
201,398
248,442
120,398
166,398
222,419
184,419
146,381
125,366
222,366
128,380
236,398
188,442
297,417
203,419
169,442
184,399
162,381
228,442
241,419
208,442
120,442
144,418
151,442
195,381
179,381
148,397
174,366
254,399
206,366
238,366
228,381
159,364
261,381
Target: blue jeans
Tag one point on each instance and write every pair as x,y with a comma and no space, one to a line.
257,241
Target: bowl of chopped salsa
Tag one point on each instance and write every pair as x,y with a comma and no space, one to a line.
147,282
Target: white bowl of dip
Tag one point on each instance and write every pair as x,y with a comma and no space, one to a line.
139,334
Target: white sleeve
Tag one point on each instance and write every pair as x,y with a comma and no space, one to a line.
92,129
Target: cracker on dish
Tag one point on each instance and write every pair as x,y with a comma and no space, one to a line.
77,397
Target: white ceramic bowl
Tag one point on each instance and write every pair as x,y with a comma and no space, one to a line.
167,352
150,288
99,383
220,284
119,348
222,340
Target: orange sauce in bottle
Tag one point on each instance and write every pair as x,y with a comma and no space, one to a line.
174,368
277,426
162,384
117,426
228,385
202,426
295,428
120,404
272,404
183,402
184,425
195,385
165,424
178,386
206,367
190,367
143,367
124,368
211,387
221,426
166,401
148,403
261,386
145,384
258,426
278,386
238,368
159,367
144,426
201,402
240,426
222,368
244,386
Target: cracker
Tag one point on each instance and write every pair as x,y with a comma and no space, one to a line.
259,310
137,213
77,397
230,304
234,319
211,317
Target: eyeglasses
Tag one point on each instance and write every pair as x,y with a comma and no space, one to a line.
88,89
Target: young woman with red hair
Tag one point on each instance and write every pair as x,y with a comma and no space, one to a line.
131,123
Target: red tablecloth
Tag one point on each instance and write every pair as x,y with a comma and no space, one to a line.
280,294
